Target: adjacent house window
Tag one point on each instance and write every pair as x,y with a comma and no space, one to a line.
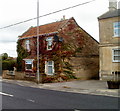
28,64
49,67
27,44
116,26
49,43
116,55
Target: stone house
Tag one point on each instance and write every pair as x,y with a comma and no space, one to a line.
66,50
109,31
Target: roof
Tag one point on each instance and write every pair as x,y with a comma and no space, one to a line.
110,14
44,29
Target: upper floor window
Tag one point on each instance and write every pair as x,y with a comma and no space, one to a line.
49,43
116,55
27,45
116,26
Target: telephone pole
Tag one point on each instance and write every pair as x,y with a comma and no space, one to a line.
38,55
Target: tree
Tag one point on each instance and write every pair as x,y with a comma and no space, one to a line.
7,62
4,56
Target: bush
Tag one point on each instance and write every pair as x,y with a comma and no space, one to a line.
4,56
8,64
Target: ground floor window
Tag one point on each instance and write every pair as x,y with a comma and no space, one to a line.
28,64
49,67
116,55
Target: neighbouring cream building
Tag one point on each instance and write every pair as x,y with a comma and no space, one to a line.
109,48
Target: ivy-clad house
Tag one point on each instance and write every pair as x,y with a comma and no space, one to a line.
66,51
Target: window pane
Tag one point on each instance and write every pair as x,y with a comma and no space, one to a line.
117,25
50,71
116,31
116,52
49,43
28,66
27,41
28,62
49,39
49,62
117,58
27,44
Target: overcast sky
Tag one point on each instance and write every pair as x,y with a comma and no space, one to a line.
14,11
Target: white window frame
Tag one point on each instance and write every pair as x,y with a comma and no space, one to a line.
28,61
49,41
27,45
116,26
113,55
47,66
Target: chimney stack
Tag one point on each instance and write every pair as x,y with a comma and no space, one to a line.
119,5
63,17
112,5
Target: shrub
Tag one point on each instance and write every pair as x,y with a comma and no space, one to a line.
8,64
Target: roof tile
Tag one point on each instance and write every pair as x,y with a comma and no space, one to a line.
43,29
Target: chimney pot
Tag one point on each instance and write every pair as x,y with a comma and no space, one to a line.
63,17
112,5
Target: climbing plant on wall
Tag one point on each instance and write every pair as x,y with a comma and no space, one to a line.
22,53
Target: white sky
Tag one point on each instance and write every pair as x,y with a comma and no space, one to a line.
13,11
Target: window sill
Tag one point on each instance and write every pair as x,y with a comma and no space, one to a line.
28,70
116,61
116,36
49,49
50,74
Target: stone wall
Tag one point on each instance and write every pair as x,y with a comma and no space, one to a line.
107,32
18,75
107,43
86,67
107,66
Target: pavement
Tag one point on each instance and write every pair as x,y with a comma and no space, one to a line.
93,87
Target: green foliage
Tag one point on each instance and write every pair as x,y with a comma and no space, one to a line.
4,56
22,53
8,64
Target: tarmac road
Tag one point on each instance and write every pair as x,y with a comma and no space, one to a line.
24,97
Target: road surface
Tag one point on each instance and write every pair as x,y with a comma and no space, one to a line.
21,97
